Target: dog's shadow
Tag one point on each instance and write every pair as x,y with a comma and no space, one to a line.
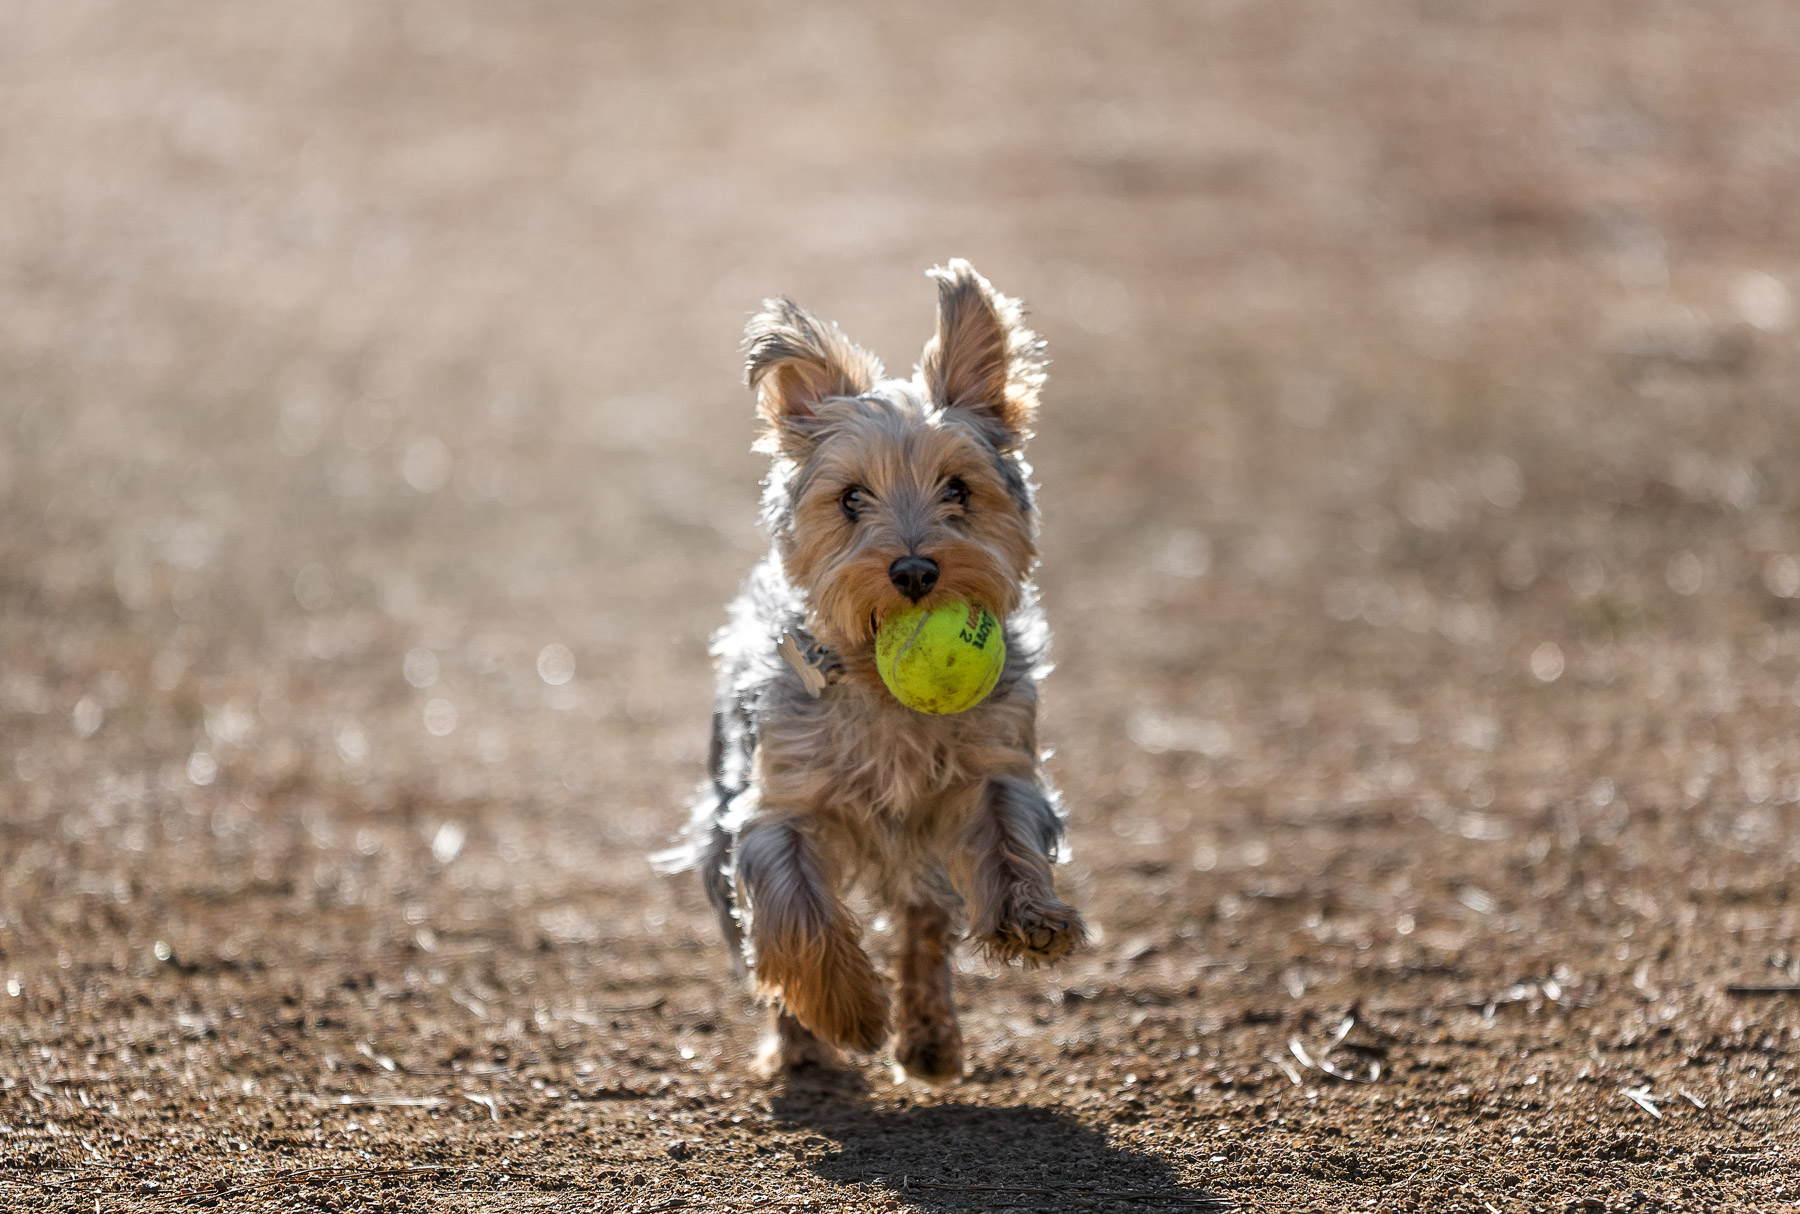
970,1157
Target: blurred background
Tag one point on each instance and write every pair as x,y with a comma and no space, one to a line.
1419,498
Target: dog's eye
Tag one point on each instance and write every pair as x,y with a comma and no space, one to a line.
955,491
853,500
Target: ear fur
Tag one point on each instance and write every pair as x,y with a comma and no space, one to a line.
983,361
793,361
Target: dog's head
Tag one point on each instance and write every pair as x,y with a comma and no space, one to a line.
886,493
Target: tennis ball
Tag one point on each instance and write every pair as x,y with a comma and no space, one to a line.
940,661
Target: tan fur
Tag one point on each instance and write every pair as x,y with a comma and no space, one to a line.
803,944
930,1041
942,819
1014,912
794,362
983,358
790,1046
902,459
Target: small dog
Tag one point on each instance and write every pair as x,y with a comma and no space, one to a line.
883,493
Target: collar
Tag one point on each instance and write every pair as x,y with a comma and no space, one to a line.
817,666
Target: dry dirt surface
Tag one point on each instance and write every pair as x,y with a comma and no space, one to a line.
1420,478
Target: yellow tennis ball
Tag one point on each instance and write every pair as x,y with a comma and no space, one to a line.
940,661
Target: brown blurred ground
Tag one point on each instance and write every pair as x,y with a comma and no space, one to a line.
1420,495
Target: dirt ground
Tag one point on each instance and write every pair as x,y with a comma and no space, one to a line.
1421,486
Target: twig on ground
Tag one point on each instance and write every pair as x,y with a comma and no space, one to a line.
1718,1112
1200,1200
551,1194
1752,988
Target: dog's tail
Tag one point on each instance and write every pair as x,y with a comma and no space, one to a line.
705,845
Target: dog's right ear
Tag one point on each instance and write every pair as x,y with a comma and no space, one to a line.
794,361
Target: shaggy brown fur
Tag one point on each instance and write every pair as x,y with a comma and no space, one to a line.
946,820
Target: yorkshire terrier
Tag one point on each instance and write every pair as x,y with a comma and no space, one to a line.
883,494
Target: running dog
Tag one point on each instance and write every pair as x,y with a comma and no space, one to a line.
882,494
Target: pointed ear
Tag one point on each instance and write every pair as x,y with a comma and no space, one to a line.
983,361
793,361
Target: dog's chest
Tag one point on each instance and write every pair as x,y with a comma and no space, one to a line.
900,764
848,751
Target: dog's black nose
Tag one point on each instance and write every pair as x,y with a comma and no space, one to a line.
914,576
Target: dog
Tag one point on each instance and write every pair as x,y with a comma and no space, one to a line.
882,494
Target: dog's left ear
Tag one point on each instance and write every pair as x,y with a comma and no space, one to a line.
983,362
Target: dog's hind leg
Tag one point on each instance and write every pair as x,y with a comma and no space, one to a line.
929,1044
790,1046
803,944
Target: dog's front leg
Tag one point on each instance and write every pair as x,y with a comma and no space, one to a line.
1003,873
803,945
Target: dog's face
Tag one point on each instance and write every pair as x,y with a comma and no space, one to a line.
889,493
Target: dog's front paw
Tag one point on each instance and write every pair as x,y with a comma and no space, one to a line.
833,990
1036,931
855,1019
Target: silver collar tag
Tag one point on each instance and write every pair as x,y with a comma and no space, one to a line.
816,665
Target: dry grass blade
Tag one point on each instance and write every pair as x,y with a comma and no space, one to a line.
391,1102
368,1051
1325,1064
1641,1097
1338,1072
